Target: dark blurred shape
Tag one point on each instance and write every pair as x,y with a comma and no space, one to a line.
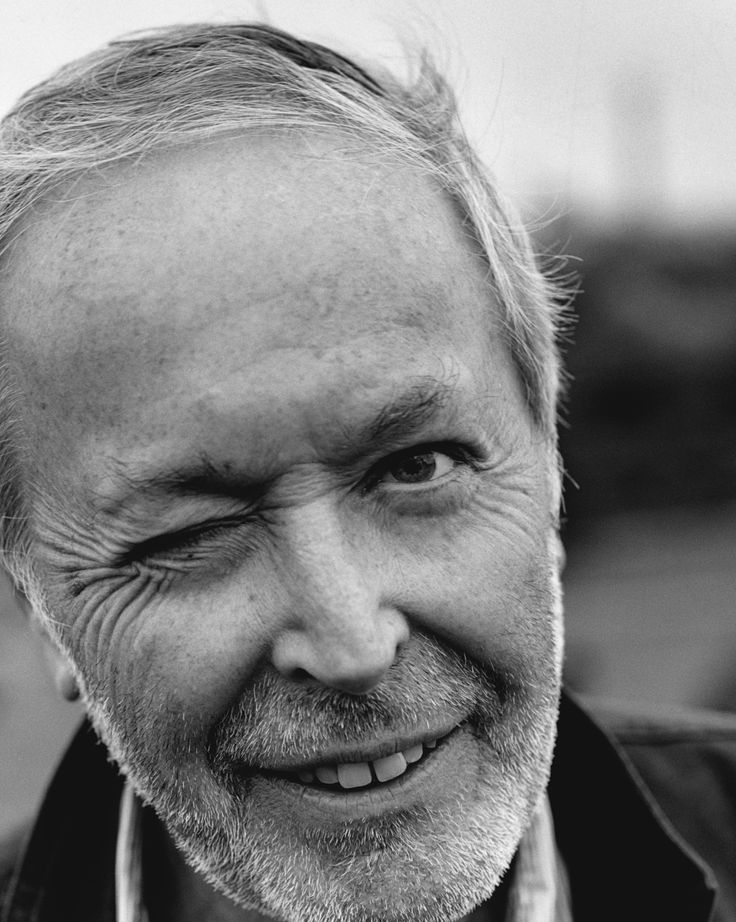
650,449
652,411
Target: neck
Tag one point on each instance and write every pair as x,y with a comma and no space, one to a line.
493,910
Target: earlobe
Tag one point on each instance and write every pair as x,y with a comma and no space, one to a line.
66,682
560,553
61,672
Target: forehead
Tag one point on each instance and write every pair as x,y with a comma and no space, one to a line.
229,276
305,218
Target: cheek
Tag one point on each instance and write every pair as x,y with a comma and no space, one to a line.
495,616
192,652
148,647
489,590
105,631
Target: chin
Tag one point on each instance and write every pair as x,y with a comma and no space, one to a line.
433,858
431,846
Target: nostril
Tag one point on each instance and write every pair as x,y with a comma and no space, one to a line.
301,675
351,685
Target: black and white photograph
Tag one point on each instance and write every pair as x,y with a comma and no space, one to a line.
368,461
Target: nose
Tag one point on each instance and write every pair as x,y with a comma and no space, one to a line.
338,631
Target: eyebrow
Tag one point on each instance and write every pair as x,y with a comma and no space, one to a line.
410,411
402,417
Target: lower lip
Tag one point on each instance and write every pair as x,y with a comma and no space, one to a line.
378,795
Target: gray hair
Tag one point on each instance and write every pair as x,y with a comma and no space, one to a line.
189,83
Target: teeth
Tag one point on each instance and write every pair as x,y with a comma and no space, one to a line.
359,774
354,775
390,766
327,774
414,753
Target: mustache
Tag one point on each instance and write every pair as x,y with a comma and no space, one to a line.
276,720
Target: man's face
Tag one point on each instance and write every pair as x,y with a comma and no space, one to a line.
293,518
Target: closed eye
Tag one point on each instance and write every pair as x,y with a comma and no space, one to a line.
408,471
183,543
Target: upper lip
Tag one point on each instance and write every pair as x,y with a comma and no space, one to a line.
365,751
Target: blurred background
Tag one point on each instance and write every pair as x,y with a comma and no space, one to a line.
613,126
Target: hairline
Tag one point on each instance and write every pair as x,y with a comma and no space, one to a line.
461,181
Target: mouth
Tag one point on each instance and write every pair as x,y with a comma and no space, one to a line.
337,777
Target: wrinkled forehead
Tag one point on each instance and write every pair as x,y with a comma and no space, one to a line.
242,255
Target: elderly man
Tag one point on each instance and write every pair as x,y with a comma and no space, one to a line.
281,486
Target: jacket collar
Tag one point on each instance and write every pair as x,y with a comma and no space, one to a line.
66,870
624,860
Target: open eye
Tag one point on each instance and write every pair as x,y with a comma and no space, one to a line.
417,466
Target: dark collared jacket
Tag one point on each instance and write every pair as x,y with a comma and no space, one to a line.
644,811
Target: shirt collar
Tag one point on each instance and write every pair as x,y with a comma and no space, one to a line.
129,905
540,887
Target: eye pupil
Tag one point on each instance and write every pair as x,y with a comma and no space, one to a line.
415,468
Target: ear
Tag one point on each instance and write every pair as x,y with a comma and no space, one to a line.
62,672
56,661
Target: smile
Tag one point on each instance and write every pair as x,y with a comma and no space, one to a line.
350,775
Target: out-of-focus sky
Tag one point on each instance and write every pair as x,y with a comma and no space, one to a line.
612,106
